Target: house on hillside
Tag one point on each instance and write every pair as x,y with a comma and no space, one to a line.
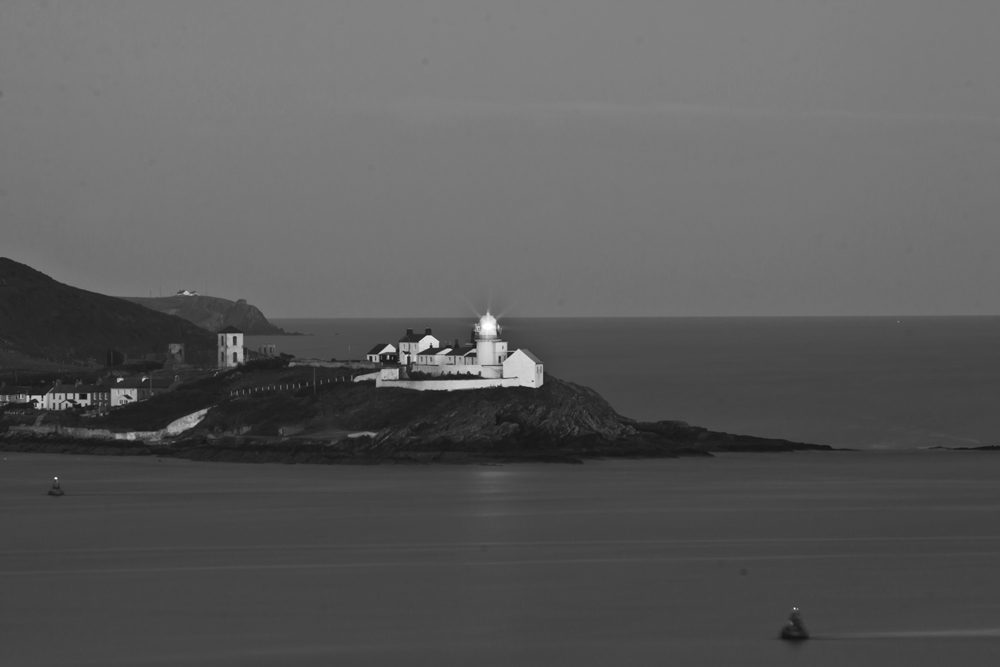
78,395
132,390
383,353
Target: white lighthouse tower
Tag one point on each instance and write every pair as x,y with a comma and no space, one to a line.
491,350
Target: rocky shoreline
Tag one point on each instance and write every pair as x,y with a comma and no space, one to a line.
346,423
363,451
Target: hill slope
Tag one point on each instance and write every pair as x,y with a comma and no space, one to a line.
42,317
212,313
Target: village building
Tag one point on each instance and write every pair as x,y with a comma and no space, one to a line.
230,347
383,353
35,397
100,397
78,395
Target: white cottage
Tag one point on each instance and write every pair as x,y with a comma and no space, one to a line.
383,353
525,366
411,344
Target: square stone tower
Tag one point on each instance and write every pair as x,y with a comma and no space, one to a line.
230,347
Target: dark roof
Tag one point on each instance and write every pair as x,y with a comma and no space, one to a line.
416,337
462,351
230,329
139,383
378,348
14,391
80,389
527,354
433,350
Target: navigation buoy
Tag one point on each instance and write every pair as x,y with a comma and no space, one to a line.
56,490
795,629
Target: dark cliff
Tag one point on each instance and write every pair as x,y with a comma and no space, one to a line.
41,317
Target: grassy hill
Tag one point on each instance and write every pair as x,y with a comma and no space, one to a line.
43,318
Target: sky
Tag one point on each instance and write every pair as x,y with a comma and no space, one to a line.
378,158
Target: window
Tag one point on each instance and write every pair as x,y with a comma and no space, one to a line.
234,357
83,397
234,343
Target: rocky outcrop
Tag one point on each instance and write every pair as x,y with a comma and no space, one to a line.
212,313
558,421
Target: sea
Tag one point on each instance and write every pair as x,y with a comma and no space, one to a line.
860,382
889,548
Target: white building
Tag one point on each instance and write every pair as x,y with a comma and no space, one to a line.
411,344
525,366
383,353
231,352
69,396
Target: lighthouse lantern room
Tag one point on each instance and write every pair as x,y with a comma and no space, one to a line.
491,350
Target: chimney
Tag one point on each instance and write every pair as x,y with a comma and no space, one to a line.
427,331
409,332
79,382
456,342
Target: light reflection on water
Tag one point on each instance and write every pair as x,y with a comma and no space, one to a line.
694,562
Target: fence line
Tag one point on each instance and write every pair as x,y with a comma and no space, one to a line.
291,386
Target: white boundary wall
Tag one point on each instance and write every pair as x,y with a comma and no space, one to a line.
449,385
175,427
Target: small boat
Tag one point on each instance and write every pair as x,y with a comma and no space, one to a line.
795,629
56,490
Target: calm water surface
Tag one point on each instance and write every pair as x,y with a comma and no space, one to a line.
867,382
892,556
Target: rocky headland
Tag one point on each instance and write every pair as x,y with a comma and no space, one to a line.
213,313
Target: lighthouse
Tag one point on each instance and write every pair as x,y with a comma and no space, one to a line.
491,350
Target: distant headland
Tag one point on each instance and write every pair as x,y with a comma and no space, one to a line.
212,313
